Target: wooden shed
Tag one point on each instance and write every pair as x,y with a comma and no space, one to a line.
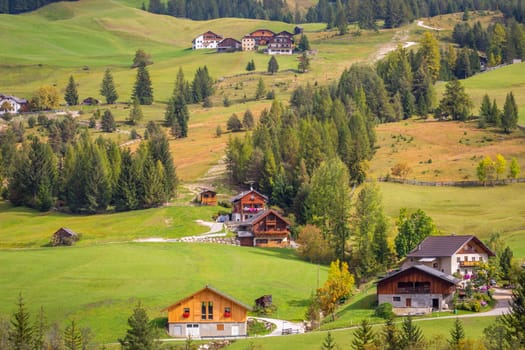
207,313
64,236
208,197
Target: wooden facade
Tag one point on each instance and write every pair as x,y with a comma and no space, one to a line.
262,36
208,197
266,229
229,45
207,313
64,237
248,204
414,281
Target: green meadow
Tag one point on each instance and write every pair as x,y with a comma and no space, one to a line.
98,286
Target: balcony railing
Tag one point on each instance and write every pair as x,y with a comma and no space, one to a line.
252,210
413,290
469,263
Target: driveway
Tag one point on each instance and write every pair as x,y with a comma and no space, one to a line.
280,325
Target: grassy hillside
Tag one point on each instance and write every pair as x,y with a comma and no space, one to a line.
99,285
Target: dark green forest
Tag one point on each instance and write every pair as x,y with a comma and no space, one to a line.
20,6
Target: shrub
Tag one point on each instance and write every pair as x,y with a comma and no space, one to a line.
384,310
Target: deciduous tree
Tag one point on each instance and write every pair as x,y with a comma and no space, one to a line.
141,59
45,98
486,170
338,285
514,169
412,229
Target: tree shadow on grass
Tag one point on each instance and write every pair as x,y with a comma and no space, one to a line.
282,253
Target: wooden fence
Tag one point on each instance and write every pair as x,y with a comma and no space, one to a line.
450,183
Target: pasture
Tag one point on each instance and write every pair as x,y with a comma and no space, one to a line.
98,286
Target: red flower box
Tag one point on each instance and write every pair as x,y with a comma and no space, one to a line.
227,314
186,315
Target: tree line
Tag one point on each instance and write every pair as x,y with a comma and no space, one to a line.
20,6
85,175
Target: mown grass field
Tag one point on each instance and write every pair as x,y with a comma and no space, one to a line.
23,227
432,329
99,285
442,150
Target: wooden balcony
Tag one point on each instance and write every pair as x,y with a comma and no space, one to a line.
413,290
469,263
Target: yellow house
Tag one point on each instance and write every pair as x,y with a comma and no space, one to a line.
207,313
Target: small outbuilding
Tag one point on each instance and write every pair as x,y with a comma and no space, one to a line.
208,197
64,237
208,313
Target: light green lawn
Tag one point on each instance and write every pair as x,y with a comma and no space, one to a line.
99,285
312,341
23,227
478,211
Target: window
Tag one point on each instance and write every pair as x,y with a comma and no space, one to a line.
459,259
203,310
435,265
396,298
220,327
210,310
480,258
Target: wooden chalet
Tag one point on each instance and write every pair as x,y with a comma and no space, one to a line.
247,204
286,34
207,313
417,288
208,197
262,36
280,45
64,237
266,229
208,40
229,45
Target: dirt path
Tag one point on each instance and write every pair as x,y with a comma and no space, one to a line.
422,25
399,39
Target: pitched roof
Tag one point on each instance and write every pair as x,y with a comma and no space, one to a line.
216,291
426,269
262,214
67,230
14,98
435,246
229,42
244,193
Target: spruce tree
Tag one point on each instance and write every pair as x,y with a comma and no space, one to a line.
304,63
107,88
72,337
484,112
390,335
411,334
328,342
509,118
261,89
247,120
143,91
140,335
457,335
71,95
108,121
514,320
340,19
135,113
21,333
363,336
177,115
304,44
273,65
202,85
125,195
159,149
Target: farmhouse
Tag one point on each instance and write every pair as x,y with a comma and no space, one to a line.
229,45
208,197
262,36
207,313
248,43
280,45
247,204
12,104
266,229
208,40
450,254
64,236
417,288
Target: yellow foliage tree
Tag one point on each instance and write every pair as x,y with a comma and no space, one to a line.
338,286
45,98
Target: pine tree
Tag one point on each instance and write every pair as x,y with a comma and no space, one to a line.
125,195
456,103
135,113
457,335
202,85
21,333
159,149
509,118
72,337
304,44
340,19
484,112
107,88
273,65
39,331
71,95
390,335
177,115
261,89
328,342
143,91
250,66
234,124
139,335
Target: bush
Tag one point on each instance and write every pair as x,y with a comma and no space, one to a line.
384,310
31,122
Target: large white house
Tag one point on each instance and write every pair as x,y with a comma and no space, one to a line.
11,104
450,254
208,40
